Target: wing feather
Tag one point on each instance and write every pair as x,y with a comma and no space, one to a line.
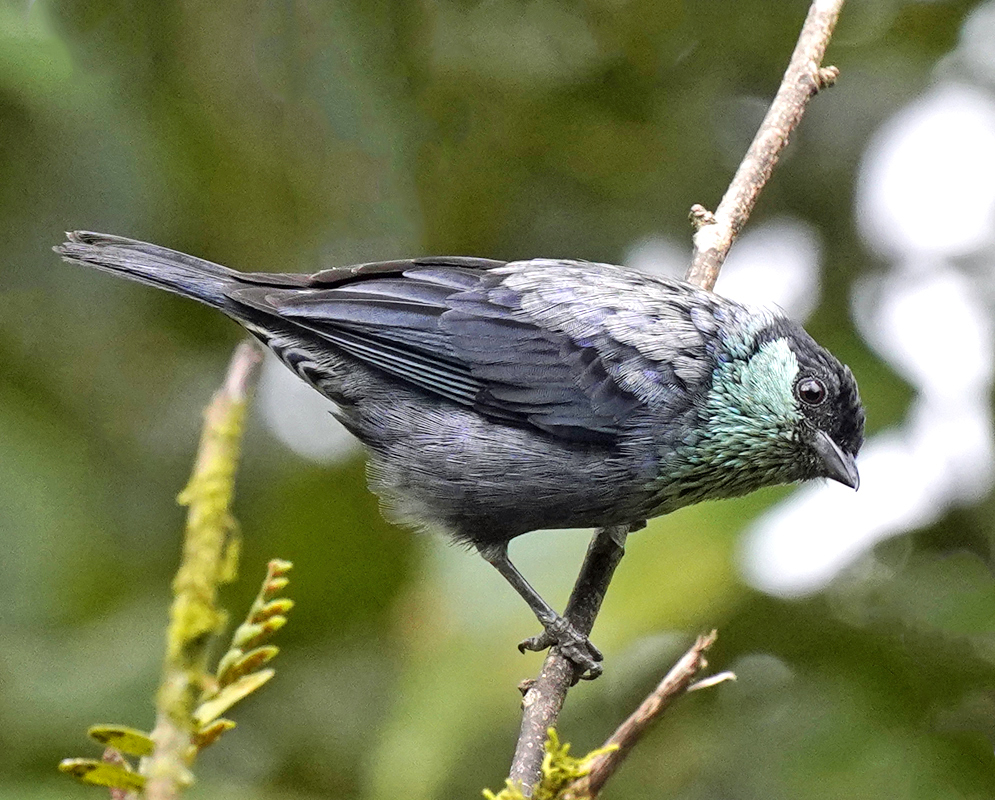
553,349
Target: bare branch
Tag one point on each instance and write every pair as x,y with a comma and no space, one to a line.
113,756
802,80
627,735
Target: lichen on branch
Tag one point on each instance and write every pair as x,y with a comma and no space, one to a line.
209,560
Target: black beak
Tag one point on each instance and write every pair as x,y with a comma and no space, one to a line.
837,465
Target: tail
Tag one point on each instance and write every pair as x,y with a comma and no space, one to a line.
156,266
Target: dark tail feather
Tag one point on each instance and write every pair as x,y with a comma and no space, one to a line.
151,264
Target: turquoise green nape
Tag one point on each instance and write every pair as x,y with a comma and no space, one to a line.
750,414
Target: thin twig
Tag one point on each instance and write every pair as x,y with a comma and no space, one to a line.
113,756
802,80
544,697
714,236
195,617
712,680
676,682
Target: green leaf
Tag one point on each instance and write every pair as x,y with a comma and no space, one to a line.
120,737
100,773
229,695
235,663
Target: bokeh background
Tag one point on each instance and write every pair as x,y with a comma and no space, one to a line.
297,135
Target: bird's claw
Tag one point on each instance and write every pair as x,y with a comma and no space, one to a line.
572,645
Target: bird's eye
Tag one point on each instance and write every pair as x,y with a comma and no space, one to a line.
811,391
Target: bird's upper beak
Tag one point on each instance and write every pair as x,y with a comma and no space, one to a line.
838,465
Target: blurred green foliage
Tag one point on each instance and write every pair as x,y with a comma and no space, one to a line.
286,135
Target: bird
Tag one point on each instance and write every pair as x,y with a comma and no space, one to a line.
499,398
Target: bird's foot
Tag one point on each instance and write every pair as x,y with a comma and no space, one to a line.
573,646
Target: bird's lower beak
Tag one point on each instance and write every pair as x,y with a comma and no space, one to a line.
838,465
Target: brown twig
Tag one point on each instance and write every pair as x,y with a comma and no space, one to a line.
676,683
195,617
112,756
802,80
714,236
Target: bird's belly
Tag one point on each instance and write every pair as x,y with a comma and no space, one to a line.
482,481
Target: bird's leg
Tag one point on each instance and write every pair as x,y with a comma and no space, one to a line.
558,630
603,554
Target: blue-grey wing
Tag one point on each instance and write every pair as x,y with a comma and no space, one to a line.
548,344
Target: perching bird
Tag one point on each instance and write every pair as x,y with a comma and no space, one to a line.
500,398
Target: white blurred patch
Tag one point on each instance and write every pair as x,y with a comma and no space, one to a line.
300,417
927,183
931,326
658,255
774,265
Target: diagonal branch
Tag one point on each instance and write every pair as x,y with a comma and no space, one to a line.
676,683
802,81
714,236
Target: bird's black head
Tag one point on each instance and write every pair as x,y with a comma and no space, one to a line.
825,393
